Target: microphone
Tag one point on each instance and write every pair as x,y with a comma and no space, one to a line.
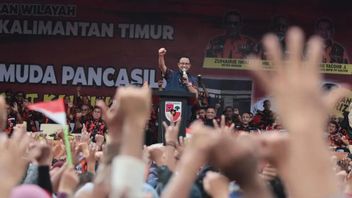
199,78
184,72
184,75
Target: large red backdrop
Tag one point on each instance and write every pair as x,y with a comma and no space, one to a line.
112,43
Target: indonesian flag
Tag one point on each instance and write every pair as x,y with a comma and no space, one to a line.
54,110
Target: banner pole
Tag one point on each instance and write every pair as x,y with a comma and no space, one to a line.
67,146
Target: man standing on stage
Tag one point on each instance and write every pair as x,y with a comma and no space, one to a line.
180,80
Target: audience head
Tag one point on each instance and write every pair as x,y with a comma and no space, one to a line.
210,113
246,118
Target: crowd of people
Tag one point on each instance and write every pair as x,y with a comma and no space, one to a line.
297,151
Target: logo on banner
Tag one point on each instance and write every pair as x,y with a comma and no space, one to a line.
173,110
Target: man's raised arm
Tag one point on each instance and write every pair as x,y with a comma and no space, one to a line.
161,60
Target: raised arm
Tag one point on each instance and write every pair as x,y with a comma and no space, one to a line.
196,155
303,109
135,105
161,60
171,137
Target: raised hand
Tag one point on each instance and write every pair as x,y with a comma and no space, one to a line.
60,134
216,185
135,106
161,60
223,129
85,136
269,173
303,109
203,138
113,117
156,152
171,132
42,154
58,150
92,148
84,148
56,175
180,146
135,103
162,51
91,158
12,161
296,82
195,155
238,158
68,181
241,159
99,139
274,148
76,149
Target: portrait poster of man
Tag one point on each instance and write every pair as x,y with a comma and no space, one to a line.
334,52
239,39
279,26
232,44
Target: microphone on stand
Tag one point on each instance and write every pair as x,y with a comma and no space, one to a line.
199,78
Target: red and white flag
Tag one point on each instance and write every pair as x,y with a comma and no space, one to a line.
55,110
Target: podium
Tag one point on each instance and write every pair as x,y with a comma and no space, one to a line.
173,106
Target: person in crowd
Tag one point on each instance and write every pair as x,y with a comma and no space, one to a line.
245,124
337,139
85,110
13,118
346,122
231,117
20,100
82,115
276,125
201,114
96,124
210,116
264,118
